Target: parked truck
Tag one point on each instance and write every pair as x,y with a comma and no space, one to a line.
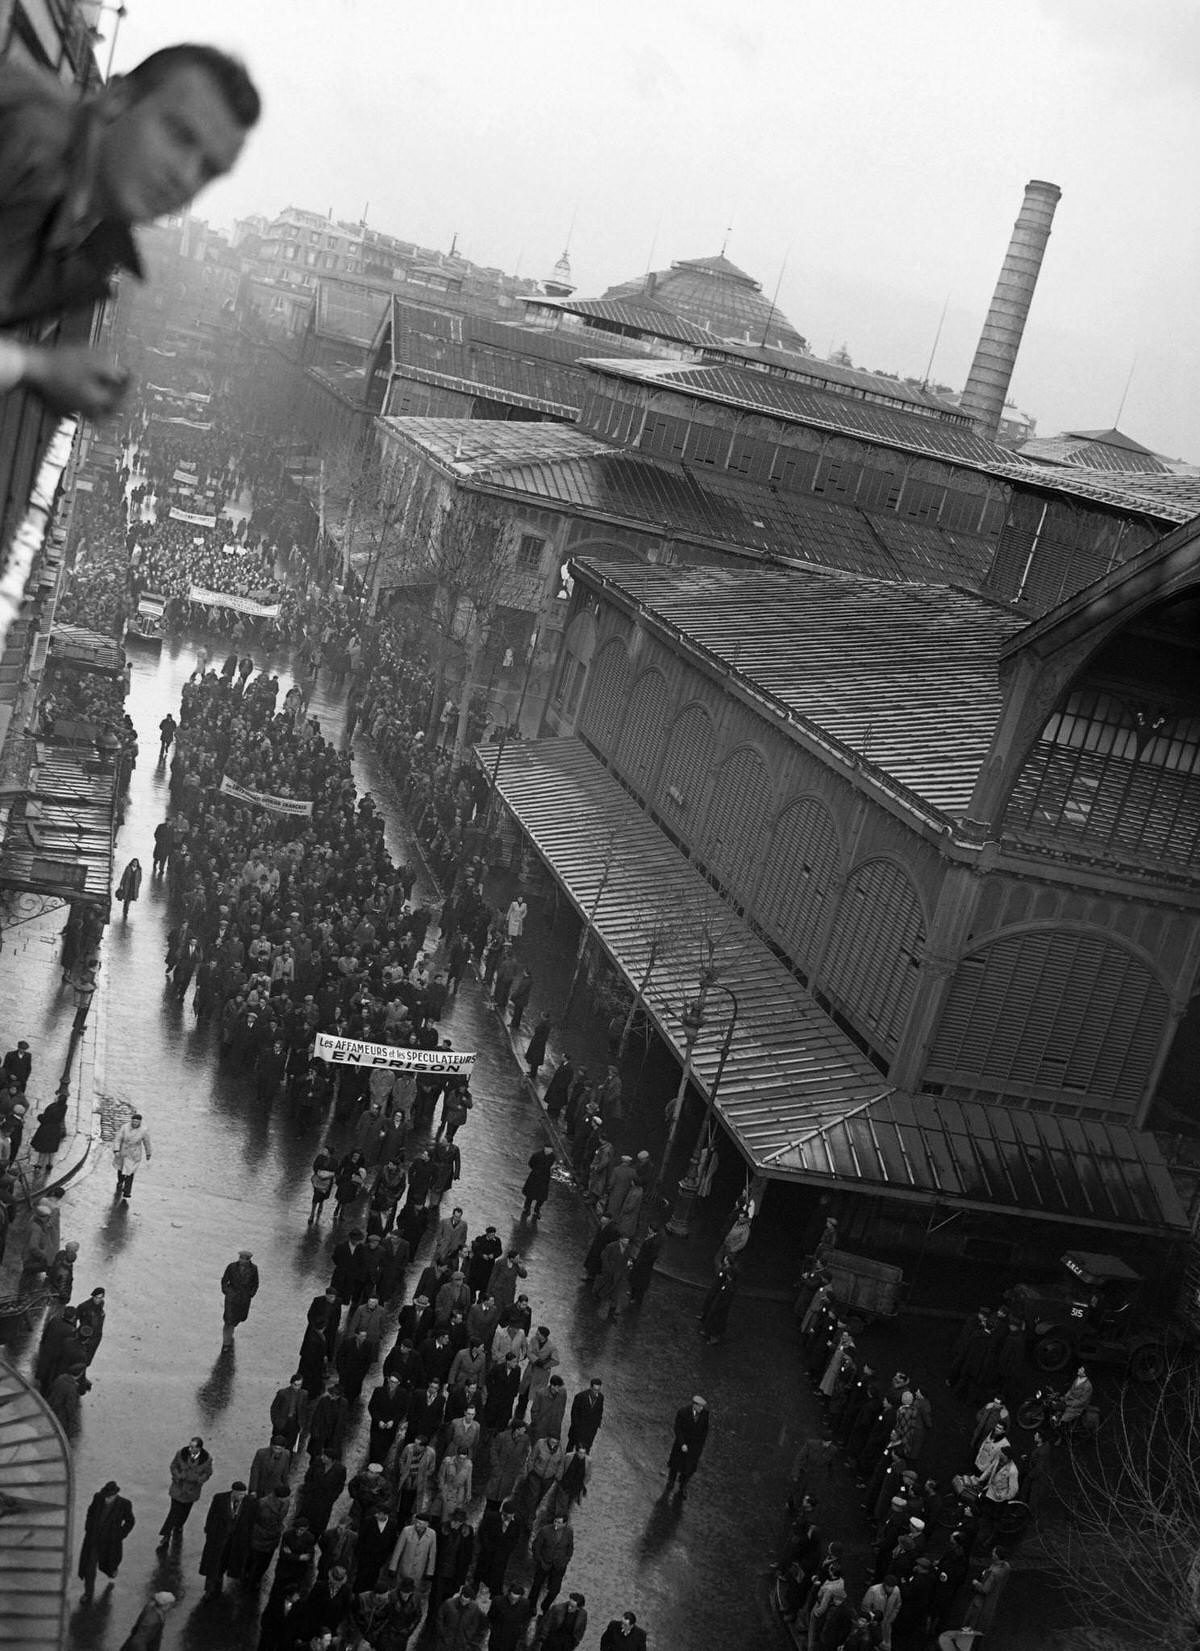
1102,1311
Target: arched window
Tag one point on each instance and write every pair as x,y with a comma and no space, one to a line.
1052,1015
801,864
644,730
686,768
873,958
606,694
1120,772
737,816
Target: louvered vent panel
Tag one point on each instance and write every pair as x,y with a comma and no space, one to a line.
872,963
686,768
645,731
802,861
1052,1015
606,696
737,815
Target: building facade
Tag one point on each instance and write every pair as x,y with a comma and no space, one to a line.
964,849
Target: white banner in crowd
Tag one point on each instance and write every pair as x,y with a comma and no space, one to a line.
193,516
191,477
353,1052
263,799
239,604
192,424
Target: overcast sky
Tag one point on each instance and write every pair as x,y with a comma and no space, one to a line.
878,149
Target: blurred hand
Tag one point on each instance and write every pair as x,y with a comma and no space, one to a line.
75,379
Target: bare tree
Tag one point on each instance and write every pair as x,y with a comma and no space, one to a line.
610,852
371,504
664,932
470,561
1127,1550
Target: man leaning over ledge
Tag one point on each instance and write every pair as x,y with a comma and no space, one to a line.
77,173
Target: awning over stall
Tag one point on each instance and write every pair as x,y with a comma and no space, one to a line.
798,1096
89,650
59,837
35,1518
985,1157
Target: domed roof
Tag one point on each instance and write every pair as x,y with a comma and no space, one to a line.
715,294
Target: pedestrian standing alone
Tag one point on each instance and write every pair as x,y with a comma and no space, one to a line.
191,1469
519,998
691,1433
535,1049
239,1286
108,1522
130,1146
537,1183
129,887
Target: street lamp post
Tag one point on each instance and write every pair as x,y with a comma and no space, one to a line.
680,1223
691,1018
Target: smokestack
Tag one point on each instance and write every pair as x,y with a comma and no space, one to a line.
996,353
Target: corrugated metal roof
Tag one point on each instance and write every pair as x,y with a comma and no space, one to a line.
1169,498
683,503
547,343
645,317
815,369
752,391
989,1156
503,375
469,446
58,772
797,1095
903,676
790,1068
1092,450
35,1530
59,847
91,650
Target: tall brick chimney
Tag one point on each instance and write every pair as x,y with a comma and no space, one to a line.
996,353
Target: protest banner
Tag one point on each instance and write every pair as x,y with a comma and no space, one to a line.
193,516
263,799
226,599
354,1052
191,477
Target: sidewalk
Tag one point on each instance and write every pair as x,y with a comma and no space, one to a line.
650,1076
36,1006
